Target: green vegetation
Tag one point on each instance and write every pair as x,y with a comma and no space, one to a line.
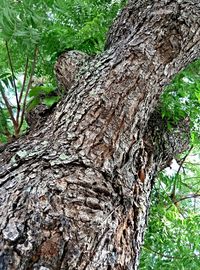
181,99
172,237
32,34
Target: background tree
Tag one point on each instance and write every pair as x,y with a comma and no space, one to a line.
77,193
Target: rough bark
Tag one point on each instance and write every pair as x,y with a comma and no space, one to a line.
75,193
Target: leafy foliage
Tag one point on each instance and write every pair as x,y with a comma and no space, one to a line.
5,127
172,238
54,26
32,35
182,99
46,95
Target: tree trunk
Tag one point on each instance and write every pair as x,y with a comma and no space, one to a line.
75,193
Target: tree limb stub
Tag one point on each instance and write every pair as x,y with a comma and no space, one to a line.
75,194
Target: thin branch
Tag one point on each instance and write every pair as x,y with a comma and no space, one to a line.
13,76
189,186
190,196
172,202
183,160
9,107
6,133
192,163
29,85
192,177
24,81
23,87
173,193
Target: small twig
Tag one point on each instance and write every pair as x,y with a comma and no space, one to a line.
192,163
183,160
173,193
29,85
187,197
172,201
24,81
13,76
188,186
6,133
192,177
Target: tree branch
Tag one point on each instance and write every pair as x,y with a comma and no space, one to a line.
8,106
29,85
190,196
173,193
24,81
13,76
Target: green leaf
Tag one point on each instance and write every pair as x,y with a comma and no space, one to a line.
40,90
49,101
5,75
198,96
33,103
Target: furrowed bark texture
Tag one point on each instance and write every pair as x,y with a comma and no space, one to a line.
75,193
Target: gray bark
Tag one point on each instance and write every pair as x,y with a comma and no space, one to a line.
75,193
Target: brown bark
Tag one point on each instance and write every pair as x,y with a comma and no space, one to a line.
75,193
